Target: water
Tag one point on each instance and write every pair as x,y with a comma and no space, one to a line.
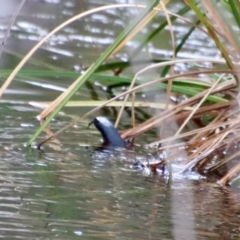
66,192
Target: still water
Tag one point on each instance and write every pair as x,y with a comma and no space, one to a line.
67,191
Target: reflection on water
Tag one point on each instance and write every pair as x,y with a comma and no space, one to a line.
66,192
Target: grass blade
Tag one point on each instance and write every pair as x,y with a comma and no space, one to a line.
93,68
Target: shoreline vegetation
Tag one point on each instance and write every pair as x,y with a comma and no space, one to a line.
206,94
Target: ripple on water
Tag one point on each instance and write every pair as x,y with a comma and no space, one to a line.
67,192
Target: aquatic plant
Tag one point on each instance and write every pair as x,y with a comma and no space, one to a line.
204,118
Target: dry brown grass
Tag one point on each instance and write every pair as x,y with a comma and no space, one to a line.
211,147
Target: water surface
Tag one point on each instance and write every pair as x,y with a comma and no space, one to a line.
66,191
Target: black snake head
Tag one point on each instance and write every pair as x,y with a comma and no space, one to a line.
110,135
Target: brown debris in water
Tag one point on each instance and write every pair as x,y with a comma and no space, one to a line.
211,149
